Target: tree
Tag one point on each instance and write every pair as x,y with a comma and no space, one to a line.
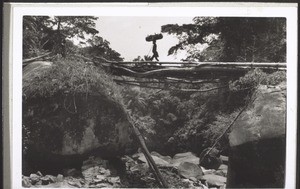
47,33
232,39
33,32
97,46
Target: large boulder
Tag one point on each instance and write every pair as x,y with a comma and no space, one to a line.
257,141
68,113
184,157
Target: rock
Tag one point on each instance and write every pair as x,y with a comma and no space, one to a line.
75,183
189,182
94,170
59,178
141,157
90,173
100,178
72,172
193,179
114,180
258,142
26,182
224,159
211,160
103,185
221,173
223,167
139,168
48,179
166,158
207,171
52,178
39,173
184,157
34,178
45,180
214,180
92,161
190,170
100,124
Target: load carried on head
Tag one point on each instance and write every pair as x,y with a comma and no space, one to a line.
154,37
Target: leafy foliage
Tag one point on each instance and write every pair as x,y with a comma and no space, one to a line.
41,33
232,39
100,47
69,76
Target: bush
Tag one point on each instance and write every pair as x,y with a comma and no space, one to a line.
68,76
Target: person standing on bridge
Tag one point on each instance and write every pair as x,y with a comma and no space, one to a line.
154,51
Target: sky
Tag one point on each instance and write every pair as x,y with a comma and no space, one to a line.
127,35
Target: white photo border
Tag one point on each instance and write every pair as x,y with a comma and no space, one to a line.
14,63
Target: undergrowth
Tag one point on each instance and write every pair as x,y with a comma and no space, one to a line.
70,76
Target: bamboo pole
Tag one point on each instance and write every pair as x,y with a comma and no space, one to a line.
251,64
145,151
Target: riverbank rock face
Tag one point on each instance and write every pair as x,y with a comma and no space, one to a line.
70,124
60,127
257,141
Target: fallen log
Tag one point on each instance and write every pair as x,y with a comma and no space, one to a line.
27,61
165,81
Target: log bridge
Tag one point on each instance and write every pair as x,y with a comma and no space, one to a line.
151,74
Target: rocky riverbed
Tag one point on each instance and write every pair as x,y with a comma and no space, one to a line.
180,171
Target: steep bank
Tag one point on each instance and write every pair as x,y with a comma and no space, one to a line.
72,109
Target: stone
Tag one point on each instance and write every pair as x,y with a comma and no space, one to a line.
26,182
103,185
48,179
189,182
92,161
160,162
114,180
224,159
189,170
211,160
90,173
52,178
34,178
72,172
75,183
207,171
45,180
100,126
258,142
105,172
166,158
184,157
100,178
214,180
59,178
193,179
39,173
221,173
223,167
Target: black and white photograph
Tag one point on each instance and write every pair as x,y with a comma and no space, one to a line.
155,97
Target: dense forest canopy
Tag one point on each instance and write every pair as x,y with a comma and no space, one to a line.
231,39
44,33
